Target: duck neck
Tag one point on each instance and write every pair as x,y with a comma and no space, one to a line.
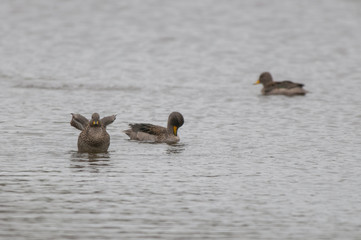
170,128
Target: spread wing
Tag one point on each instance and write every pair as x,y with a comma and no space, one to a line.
283,84
108,120
79,121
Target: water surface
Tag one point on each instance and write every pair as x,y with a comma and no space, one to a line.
247,166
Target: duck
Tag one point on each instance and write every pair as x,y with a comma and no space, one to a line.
152,133
287,88
93,137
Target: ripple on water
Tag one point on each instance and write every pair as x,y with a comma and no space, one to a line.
247,166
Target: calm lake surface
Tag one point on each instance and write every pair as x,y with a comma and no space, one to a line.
247,166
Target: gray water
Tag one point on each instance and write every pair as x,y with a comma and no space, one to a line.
247,166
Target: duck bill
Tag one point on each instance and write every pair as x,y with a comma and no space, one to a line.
258,82
175,130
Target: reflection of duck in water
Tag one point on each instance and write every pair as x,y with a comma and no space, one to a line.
153,133
94,137
175,148
279,88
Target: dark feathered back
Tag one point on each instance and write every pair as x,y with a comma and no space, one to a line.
146,128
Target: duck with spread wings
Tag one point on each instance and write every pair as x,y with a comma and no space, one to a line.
93,137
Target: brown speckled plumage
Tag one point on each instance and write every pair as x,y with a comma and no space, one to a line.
287,88
94,137
153,133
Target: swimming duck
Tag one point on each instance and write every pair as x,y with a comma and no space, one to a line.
153,133
93,137
287,88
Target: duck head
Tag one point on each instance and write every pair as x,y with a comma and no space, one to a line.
95,121
265,78
175,121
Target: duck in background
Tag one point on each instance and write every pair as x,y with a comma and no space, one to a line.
287,88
